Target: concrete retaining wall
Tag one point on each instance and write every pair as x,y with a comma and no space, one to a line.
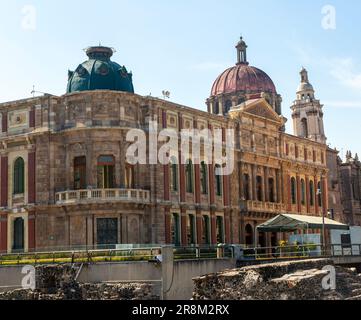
10,278
177,275
184,271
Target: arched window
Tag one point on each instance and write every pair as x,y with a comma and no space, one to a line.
271,190
303,192
304,127
216,108
246,186
259,187
204,178
129,176
106,169
174,174
319,193
312,194
19,176
218,180
189,176
80,173
293,191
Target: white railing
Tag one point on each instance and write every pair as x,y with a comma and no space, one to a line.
128,195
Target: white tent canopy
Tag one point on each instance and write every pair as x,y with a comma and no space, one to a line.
294,222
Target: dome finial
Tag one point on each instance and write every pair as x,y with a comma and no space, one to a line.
304,75
241,52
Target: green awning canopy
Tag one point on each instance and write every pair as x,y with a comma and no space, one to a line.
294,222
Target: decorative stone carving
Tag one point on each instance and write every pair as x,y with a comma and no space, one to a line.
18,119
100,109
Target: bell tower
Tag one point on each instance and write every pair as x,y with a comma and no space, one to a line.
307,112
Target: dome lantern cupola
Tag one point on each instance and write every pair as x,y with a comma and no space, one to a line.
305,89
240,83
100,73
99,53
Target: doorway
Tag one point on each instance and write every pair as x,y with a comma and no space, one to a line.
107,233
18,235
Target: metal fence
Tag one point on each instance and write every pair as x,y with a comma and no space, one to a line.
150,253
301,251
81,256
114,253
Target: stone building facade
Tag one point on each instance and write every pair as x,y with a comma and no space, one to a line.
336,209
350,172
65,181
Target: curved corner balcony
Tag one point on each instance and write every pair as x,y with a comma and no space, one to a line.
102,195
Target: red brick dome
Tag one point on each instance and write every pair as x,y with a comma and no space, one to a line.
243,77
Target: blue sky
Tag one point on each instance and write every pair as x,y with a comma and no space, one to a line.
183,45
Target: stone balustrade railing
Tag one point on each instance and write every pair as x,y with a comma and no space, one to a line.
265,206
128,195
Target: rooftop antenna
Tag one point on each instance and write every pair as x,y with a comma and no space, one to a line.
34,91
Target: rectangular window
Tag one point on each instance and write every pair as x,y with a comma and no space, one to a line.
206,236
191,229
220,229
174,177
218,181
19,177
80,173
346,240
204,178
106,172
175,229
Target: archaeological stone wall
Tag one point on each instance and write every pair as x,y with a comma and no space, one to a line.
300,280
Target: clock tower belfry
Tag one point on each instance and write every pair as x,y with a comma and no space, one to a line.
307,112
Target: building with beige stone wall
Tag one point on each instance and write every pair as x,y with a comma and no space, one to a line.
65,181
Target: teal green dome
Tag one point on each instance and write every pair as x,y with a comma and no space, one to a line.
100,73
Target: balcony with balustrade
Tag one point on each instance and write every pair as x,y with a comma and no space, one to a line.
258,206
102,195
